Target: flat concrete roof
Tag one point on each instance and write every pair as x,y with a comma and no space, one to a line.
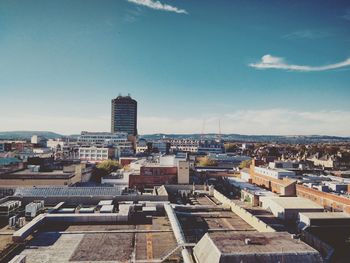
325,215
105,243
234,243
256,190
294,202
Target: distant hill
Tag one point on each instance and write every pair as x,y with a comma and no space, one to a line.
253,138
26,135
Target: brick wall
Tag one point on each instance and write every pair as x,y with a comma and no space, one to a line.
329,201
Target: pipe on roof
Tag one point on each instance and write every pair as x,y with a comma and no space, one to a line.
178,233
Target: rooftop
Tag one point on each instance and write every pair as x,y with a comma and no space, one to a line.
102,243
231,243
325,215
68,191
262,247
294,202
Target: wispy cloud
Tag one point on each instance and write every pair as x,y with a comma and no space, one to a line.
157,5
307,34
271,62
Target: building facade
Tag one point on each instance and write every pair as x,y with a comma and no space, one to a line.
95,154
124,115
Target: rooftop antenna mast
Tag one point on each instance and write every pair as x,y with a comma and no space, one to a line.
219,136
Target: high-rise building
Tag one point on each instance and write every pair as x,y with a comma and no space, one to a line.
124,115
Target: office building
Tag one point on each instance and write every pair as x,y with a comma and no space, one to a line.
124,115
95,154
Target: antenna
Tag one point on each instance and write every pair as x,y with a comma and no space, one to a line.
219,137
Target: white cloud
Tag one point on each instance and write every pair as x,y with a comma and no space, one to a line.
271,62
60,124
157,5
265,122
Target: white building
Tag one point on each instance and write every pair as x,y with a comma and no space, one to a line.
170,160
123,147
55,144
183,145
103,138
286,165
95,154
274,173
288,208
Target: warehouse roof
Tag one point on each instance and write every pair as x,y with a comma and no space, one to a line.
326,215
253,247
294,202
68,191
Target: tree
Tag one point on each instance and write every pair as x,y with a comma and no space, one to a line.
245,164
206,161
230,147
106,167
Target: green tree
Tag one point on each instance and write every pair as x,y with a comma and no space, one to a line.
206,161
245,164
230,147
106,167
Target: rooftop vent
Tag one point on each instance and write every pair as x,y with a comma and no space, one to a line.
247,241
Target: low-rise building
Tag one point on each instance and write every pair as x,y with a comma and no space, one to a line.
329,201
183,145
249,193
38,140
288,208
246,246
102,137
168,169
96,154
210,147
273,172
287,165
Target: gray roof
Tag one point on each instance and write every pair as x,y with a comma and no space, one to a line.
68,191
264,247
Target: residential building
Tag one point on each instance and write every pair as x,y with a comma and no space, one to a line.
124,115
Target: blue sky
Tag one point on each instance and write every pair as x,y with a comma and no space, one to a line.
261,67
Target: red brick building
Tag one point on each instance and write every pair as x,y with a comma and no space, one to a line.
283,186
153,176
330,201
